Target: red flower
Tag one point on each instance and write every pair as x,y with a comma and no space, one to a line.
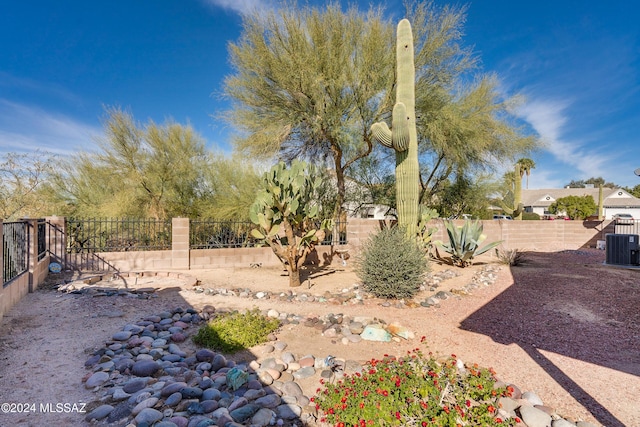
468,403
491,409
499,420
398,415
385,393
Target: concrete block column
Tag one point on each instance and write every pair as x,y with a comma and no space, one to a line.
180,243
32,251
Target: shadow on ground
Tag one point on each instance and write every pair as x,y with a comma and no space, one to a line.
577,308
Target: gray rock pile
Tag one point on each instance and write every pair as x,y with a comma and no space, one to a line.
354,294
146,376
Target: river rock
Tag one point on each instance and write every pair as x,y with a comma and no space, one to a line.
96,379
99,413
145,368
533,417
148,416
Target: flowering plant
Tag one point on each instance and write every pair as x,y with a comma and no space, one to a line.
413,390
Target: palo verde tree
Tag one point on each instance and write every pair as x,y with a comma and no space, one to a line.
22,179
286,215
151,171
308,83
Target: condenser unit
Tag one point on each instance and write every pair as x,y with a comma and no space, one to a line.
622,249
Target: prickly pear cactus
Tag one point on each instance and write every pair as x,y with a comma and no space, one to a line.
403,136
285,213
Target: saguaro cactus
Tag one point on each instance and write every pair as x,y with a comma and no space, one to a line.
403,136
518,207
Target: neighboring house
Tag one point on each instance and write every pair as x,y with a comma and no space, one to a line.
615,200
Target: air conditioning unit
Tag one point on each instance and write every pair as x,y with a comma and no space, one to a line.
622,249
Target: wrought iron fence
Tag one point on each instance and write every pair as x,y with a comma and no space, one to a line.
211,234
15,250
42,238
117,235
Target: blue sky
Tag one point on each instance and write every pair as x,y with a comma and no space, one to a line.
576,62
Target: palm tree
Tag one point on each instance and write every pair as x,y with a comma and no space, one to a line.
525,167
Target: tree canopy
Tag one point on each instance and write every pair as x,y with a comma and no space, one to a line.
22,177
309,83
575,207
158,171
596,182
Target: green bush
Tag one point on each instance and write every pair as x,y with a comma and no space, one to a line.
390,265
414,390
236,331
530,216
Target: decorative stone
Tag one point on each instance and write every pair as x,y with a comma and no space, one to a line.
96,379
263,417
99,413
205,355
292,389
147,403
145,368
533,398
243,413
134,385
173,399
149,416
172,388
288,412
269,401
375,333
121,336
533,417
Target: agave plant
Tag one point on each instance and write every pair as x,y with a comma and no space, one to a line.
464,242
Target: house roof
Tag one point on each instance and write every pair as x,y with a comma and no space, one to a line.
613,197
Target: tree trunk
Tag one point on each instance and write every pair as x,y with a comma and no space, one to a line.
294,276
337,157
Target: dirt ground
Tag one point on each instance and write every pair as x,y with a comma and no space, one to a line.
562,325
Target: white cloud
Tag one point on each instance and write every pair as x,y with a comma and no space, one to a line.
25,128
548,118
243,7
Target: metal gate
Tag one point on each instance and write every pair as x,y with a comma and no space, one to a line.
85,261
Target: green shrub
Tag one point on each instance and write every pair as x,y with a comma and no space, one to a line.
530,216
236,331
413,391
391,265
